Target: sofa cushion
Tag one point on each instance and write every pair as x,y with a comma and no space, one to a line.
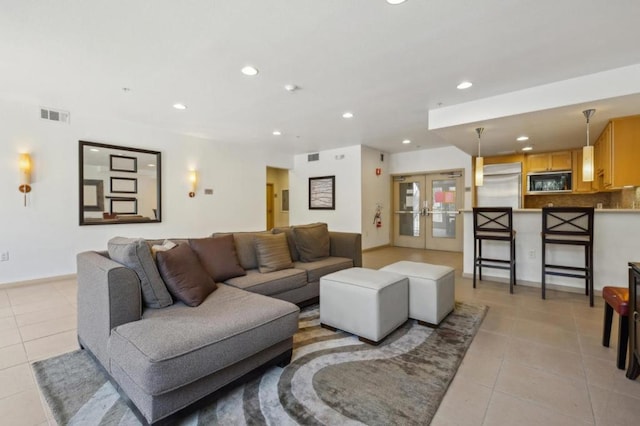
218,256
317,269
184,276
312,241
271,282
171,347
135,253
245,247
272,251
291,240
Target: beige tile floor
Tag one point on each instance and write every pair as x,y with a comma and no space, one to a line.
533,362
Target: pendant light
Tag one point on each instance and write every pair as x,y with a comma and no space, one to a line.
587,151
479,160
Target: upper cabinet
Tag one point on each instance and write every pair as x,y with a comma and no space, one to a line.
549,161
616,154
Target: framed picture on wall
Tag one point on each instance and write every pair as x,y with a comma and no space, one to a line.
322,193
285,200
124,206
122,163
124,185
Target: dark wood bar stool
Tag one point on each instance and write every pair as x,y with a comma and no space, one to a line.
568,226
617,299
494,224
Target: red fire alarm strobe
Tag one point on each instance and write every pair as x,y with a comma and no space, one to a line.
378,171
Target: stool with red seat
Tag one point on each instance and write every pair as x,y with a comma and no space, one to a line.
617,299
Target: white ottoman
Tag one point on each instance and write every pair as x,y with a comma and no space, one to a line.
431,290
365,302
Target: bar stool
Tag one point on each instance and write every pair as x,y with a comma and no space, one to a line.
568,226
494,224
617,299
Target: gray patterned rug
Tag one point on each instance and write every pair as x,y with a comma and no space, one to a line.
333,379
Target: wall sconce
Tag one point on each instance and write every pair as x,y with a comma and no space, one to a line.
193,179
24,164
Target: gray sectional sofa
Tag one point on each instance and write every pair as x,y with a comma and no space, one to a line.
166,345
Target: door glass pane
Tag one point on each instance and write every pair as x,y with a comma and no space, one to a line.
409,202
444,208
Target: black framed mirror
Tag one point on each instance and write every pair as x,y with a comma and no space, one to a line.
118,184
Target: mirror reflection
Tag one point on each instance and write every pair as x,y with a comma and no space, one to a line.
118,184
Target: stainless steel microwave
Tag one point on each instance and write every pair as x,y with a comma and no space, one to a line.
539,183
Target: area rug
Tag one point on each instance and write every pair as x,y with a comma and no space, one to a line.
333,379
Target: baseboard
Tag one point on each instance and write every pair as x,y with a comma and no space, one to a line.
376,248
557,287
39,281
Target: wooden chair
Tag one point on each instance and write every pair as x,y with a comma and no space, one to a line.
568,226
617,299
494,224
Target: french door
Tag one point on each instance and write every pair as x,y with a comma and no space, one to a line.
426,211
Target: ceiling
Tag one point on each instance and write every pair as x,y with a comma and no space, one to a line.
389,65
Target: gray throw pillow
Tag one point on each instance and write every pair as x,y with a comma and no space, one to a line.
135,253
291,240
186,278
312,241
273,252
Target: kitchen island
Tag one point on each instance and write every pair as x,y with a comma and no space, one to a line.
616,243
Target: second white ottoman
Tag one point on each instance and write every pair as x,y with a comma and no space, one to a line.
431,290
365,302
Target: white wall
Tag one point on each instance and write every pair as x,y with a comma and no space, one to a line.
376,190
433,160
346,217
43,238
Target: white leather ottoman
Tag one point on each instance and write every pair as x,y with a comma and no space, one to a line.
365,302
431,290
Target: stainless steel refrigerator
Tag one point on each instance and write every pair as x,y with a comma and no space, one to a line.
502,186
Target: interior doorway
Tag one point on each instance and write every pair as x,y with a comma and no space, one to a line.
427,211
277,198
270,218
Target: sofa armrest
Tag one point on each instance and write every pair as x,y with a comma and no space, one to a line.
108,295
347,244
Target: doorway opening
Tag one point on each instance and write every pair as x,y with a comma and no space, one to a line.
427,210
277,198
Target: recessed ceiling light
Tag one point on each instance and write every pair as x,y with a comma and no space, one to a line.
249,70
464,85
277,133
94,149
290,87
179,106
347,115
522,138
406,141
527,148
395,1
151,165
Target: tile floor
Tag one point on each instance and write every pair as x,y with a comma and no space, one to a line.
533,362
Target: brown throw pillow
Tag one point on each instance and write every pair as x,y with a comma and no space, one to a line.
291,240
184,276
312,241
273,252
218,256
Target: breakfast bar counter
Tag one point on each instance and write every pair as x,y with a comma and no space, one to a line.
616,242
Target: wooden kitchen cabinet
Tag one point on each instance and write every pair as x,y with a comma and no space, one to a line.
617,151
549,161
578,185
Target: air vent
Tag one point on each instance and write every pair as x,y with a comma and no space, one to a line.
54,115
313,157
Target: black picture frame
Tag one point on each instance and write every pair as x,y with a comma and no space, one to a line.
123,205
122,163
322,193
120,185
